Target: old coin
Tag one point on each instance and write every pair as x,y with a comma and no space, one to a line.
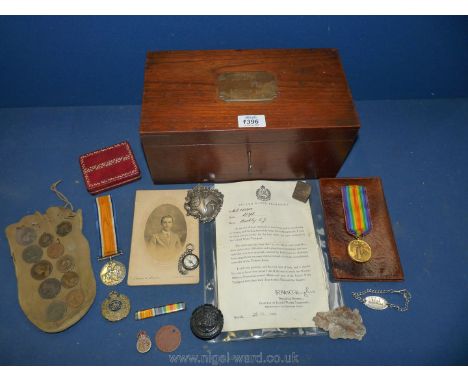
115,307
75,298
65,263
56,311
143,344
32,254
41,270
45,239
70,279
168,338
64,228
359,251
49,288
25,235
206,322
113,273
55,250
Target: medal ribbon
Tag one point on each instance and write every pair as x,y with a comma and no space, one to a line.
356,208
107,226
160,310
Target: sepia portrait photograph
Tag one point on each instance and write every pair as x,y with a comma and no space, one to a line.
166,231
161,234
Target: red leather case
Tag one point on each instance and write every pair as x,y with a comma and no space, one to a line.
384,264
109,167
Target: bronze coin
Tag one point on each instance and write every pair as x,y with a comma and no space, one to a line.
64,228
49,288
65,263
70,279
45,240
55,311
32,254
25,235
168,338
41,270
75,298
55,250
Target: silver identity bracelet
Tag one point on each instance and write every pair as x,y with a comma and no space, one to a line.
379,303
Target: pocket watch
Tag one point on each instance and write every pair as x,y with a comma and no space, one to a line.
190,261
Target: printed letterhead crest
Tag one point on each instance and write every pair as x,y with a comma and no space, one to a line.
263,194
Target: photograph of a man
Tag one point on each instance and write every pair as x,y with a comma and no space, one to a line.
166,238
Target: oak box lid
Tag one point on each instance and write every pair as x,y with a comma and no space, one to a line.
194,97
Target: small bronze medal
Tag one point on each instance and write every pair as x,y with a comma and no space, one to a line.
55,250
143,344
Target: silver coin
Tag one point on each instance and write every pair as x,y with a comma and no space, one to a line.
32,254
45,240
113,273
65,263
70,279
64,228
56,311
41,270
49,288
25,235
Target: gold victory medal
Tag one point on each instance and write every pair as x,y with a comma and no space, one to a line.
359,251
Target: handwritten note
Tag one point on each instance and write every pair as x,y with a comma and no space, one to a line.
269,267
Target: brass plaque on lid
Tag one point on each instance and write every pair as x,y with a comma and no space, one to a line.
247,86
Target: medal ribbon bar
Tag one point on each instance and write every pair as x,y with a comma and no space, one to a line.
160,310
356,208
107,227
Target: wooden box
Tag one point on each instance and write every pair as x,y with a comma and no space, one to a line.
218,116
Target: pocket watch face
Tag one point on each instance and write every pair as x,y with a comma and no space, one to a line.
190,261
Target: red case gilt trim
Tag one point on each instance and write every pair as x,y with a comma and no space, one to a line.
109,167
